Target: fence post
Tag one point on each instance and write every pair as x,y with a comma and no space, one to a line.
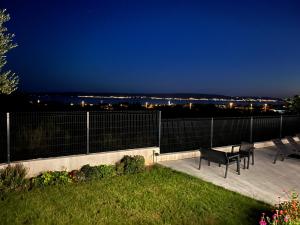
251,129
8,137
87,132
280,132
159,128
211,132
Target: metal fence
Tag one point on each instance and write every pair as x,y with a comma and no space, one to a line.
190,134
47,134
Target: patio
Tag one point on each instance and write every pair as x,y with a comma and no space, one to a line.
264,181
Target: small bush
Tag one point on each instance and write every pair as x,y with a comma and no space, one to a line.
105,171
85,168
90,172
77,176
133,164
13,177
98,172
52,178
120,168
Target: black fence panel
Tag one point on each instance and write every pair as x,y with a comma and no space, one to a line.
111,131
184,134
3,138
266,128
230,131
47,134
290,125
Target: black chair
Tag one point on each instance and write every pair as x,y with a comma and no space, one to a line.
293,143
224,158
245,150
284,150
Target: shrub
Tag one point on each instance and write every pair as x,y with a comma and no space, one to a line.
120,168
85,168
90,172
287,212
52,178
98,172
13,177
77,176
105,171
133,164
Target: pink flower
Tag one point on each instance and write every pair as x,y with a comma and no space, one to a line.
262,222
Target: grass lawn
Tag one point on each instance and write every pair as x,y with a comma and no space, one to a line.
158,196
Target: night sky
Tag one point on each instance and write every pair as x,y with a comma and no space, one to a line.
222,47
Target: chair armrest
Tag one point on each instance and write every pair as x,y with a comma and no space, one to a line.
232,155
233,147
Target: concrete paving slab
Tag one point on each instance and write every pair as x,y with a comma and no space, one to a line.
263,181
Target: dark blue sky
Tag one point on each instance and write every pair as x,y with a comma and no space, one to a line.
227,47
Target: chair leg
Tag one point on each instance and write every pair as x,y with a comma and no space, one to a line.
200,163
208,162
248,162
238,167
252,158
244,162
226,170
276,156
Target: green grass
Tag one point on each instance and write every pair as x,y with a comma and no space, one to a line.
157,196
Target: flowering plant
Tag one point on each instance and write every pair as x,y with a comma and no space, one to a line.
285,212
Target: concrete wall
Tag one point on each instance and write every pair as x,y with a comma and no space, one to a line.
196,153
72,162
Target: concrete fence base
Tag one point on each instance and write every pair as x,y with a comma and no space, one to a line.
72,162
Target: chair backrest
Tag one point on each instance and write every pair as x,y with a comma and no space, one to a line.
214,155
246,146
279,144
291,140
294,144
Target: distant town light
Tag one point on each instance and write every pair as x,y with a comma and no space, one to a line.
38,101
231,104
